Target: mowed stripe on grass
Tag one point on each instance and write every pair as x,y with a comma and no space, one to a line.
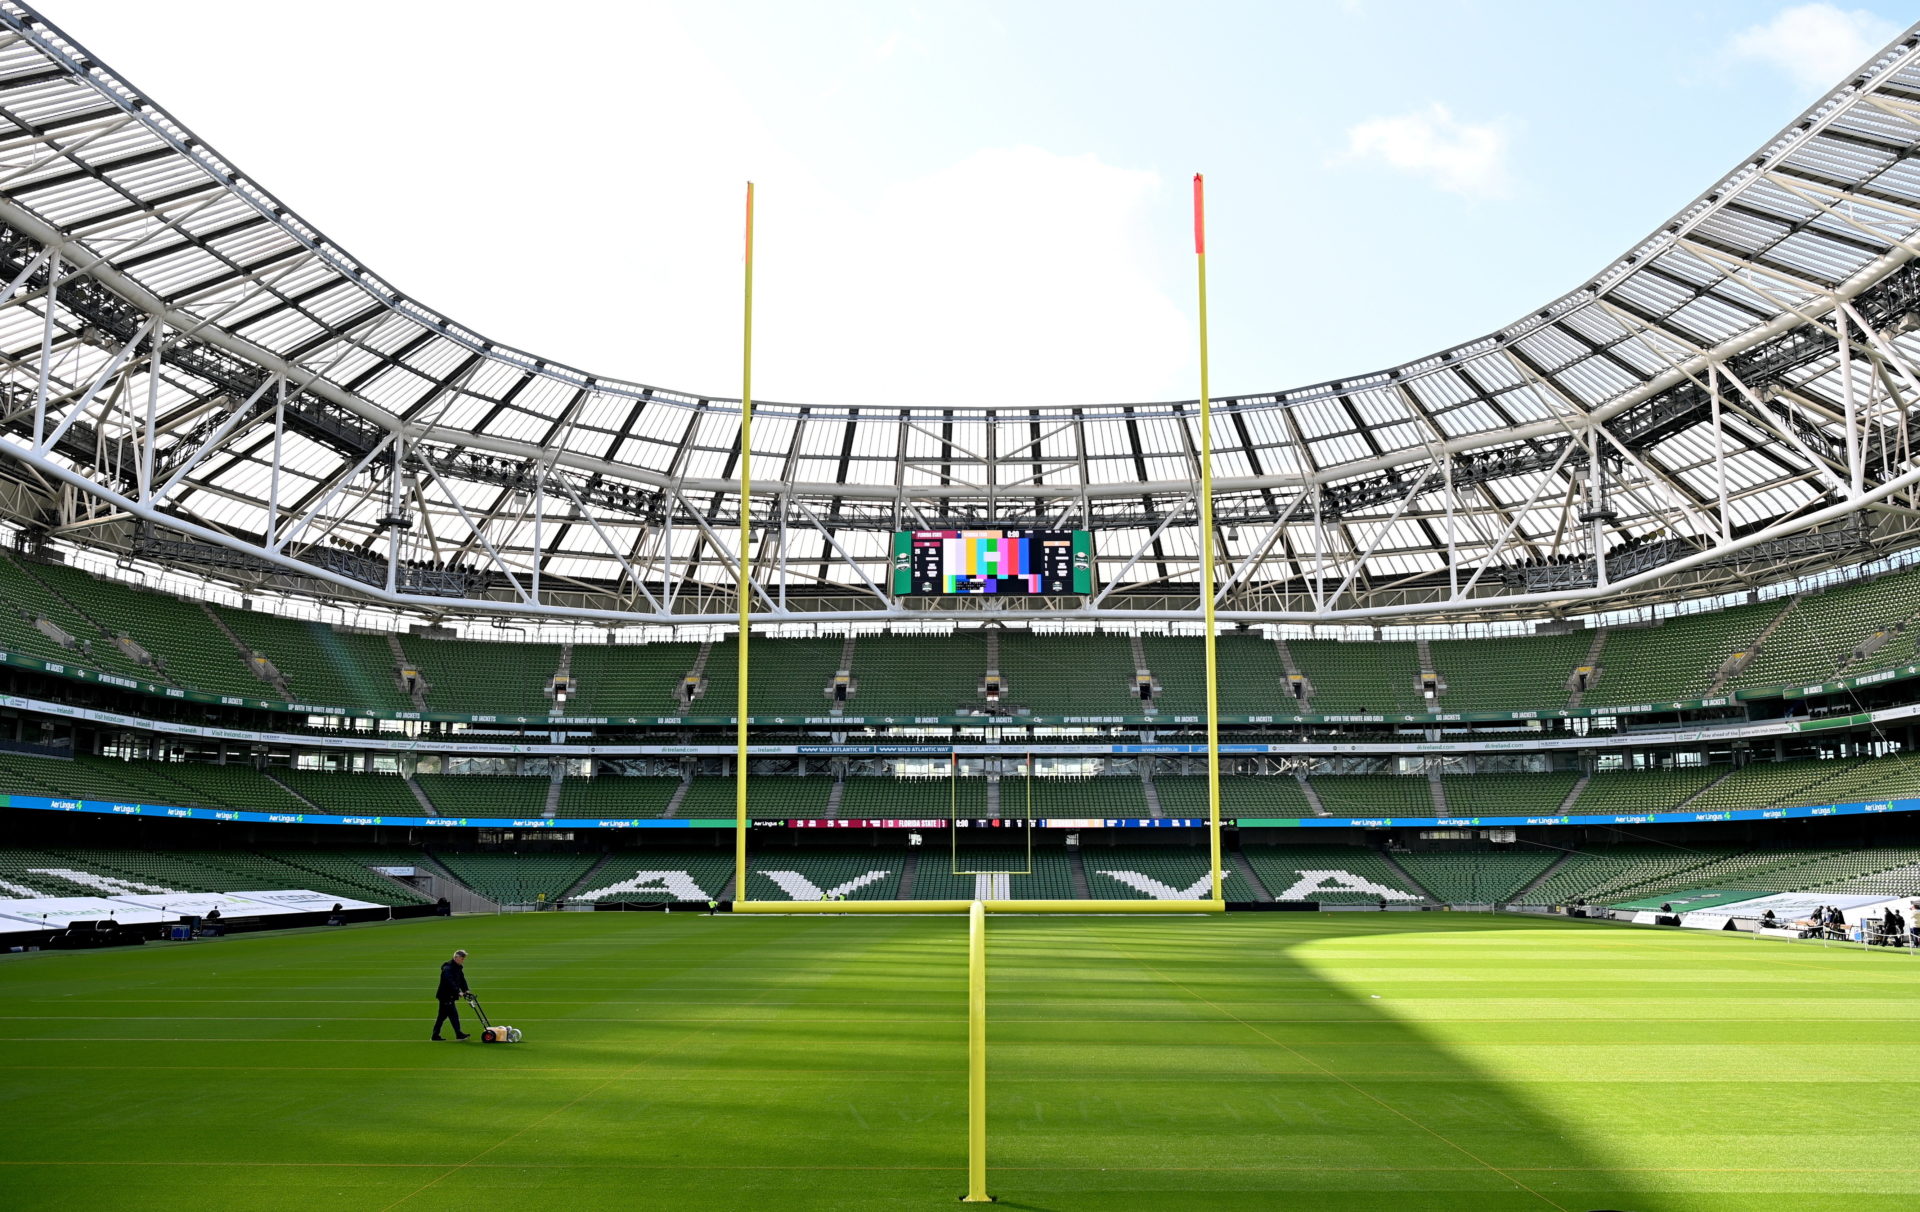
1442,1061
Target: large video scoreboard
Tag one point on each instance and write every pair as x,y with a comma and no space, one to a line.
1023,562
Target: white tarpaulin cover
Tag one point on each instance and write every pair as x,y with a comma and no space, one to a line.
56,911
139,909
1789,906
182,904
302,900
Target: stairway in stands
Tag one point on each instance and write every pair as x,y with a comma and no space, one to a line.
1294,676
262,668
1735,664
1077,874
1245,869
1520,897
1152,795
419,793
588,877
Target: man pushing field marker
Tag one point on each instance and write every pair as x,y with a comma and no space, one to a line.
453,987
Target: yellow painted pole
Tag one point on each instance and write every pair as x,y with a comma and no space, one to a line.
1206,542
977,1056
743,581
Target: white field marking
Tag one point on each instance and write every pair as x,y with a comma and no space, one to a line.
1311,882
1163,892
992,886
798,887
104,883
677,884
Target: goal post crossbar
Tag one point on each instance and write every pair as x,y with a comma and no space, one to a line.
956,907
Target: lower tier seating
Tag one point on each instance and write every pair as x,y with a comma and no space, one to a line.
1476,878
1159,873
517,879
986,865
1334,874
815,873
944,873
649,877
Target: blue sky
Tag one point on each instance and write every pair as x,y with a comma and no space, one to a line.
984,203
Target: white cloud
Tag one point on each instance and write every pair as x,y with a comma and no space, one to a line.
1815,44
1458,157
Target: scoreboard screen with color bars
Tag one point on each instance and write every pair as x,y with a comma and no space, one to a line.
966,562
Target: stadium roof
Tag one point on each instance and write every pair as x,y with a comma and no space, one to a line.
197,373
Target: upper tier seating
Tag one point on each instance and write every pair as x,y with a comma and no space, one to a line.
1360,676
1630,793
616,796
786,678
1069,674
27,599
1504,674
190,650
1506,794
769,797
495,795
1677,659
1374,795
486,677
1241,795
880,798
637,679
1252,679
1819,635
1106,796
908,675
321,665
354,794
1761,784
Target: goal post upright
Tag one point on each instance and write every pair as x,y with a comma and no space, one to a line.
977,1055
1206,545
743,578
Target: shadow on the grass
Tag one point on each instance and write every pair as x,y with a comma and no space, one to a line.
1230,1064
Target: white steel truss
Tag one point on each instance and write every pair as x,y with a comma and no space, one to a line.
194,374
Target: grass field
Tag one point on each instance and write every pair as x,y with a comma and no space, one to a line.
1338,1062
